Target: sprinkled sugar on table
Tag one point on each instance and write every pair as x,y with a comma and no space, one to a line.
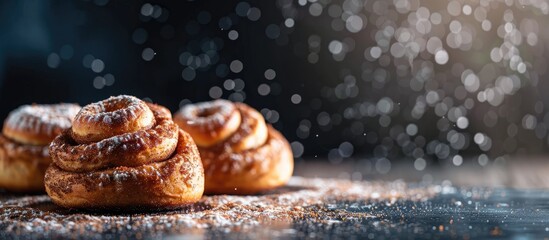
306,207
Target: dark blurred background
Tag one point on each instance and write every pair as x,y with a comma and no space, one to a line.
426,82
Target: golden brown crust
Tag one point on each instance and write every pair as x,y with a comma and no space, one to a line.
125,172
38,124
253,158
266,167
128,149
23,144
172,183
22,167
251,133
209,122
111,117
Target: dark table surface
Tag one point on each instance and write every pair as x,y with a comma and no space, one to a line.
438,206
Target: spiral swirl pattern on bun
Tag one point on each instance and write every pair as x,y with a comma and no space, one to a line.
241,154
123,153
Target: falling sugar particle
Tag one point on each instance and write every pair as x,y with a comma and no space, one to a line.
148,54
441,57
236,66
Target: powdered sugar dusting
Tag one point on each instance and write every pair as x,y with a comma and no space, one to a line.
48,119
143,146
103,111
301,200
218,112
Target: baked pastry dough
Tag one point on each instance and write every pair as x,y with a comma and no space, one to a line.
26,134
150,165
241,154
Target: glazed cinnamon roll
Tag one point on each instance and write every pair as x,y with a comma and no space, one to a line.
122,153
241,154
26,134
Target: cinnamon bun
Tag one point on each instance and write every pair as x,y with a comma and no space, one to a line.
123,153
241,154
26,134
